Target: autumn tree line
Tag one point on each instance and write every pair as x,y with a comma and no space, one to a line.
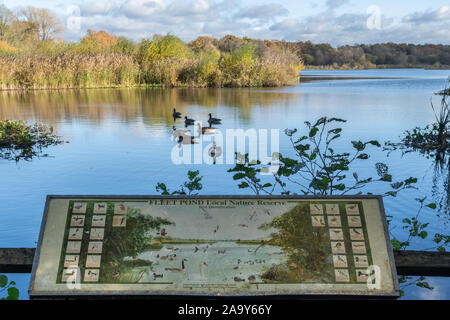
33,56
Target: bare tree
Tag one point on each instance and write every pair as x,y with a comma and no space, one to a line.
49,25
6,18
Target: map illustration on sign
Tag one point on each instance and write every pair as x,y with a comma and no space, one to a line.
216,246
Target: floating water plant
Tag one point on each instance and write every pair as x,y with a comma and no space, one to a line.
21,141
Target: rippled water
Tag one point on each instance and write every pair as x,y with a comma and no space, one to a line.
119,141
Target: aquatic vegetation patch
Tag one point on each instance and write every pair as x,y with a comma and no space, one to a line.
434,139
19,140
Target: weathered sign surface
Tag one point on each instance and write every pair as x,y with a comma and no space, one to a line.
147,245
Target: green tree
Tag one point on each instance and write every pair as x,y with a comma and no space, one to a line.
307,250
134,238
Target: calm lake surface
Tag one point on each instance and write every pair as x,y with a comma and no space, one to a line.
120,142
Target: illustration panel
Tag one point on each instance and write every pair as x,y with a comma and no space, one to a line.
235,246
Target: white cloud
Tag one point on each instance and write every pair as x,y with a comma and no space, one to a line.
438,15
336,3
137,19
262,13
351,28
96,8
141,8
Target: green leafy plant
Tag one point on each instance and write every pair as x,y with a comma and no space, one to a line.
193,184
9,288
317,167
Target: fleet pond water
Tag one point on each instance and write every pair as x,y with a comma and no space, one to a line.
120,143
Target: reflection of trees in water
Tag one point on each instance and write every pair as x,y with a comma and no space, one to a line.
99,105
441,182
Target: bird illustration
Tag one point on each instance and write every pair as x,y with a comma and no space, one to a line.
200,266
141,275
206,213
155,275
178,269
69,273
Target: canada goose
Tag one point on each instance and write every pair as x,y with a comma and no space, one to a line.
186,139
212,120
176,114
177,269
188,121
179,131
206,130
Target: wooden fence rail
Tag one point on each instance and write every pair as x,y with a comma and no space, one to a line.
407,262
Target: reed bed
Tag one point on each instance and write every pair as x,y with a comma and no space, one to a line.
164,61
67,70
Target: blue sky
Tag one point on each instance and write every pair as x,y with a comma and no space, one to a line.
333,21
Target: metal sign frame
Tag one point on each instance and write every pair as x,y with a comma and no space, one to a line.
149,294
